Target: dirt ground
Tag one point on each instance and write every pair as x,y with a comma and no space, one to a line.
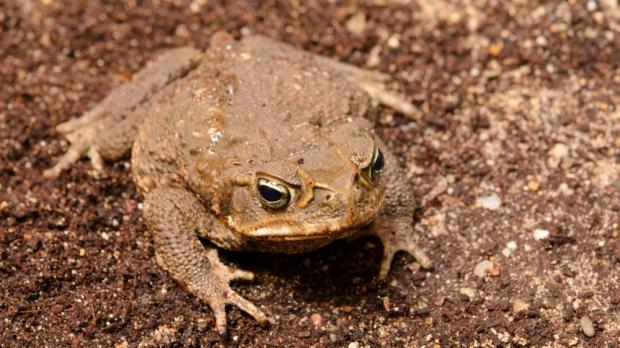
520,116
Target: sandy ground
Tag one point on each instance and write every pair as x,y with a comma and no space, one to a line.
520,116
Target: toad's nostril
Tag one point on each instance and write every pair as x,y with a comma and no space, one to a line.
326,198
329,200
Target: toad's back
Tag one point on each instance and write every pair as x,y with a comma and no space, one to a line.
251,101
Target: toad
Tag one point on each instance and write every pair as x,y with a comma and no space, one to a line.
252,145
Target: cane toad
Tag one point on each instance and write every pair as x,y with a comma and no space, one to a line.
253,145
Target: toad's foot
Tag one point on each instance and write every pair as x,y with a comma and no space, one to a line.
176,218
440,186
82,138
396,234
213,287
108,130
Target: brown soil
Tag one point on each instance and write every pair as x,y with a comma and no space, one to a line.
520,104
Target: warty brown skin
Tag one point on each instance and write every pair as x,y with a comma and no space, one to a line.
206,129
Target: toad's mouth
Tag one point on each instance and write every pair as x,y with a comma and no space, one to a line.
294,230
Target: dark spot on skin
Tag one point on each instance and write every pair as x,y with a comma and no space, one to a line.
300,161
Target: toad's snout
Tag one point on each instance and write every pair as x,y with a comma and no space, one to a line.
355,200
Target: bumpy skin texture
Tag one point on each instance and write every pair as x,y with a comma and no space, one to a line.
206,128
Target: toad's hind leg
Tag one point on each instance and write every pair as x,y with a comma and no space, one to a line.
108,130
374,83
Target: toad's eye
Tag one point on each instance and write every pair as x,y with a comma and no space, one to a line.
273,194
377,164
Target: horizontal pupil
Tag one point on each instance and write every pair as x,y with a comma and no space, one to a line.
269,193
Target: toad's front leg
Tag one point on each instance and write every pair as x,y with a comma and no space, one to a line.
396,234
394,226
175,217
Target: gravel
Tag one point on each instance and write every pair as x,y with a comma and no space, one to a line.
518,100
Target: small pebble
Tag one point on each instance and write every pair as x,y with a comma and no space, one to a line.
182,31
495,271
196,6
586,326
492,202
496,48
469,292
346,309
373,57
354,345
541,40
317,319
393,41
483,268
357,23
519,305
559,151
541,234
510,247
